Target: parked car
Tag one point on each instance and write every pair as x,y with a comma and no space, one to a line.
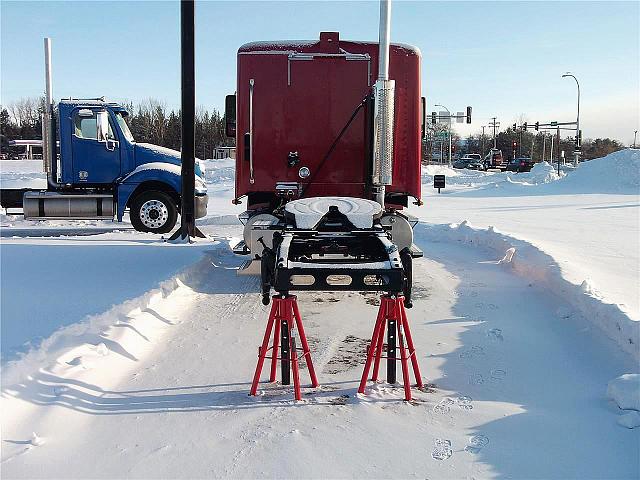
520,164
494,159
469,161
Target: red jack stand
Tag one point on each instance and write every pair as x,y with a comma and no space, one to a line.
392,311
284,311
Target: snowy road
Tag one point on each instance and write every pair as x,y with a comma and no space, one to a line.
519,389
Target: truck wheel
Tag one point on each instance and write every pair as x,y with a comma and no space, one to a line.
154,212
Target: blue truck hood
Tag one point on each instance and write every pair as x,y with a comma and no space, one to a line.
149,153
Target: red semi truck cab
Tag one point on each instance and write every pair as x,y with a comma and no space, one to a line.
303,123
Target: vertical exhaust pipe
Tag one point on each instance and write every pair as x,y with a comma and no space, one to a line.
49,147
384,91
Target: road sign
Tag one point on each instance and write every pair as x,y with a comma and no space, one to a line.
438,182
443,117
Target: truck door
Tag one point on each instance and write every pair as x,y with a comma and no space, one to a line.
95,148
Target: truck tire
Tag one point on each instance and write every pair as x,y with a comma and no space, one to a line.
153,211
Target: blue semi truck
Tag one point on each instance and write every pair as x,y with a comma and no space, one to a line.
99,171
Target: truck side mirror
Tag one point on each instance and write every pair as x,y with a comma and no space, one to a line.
230,115
103,126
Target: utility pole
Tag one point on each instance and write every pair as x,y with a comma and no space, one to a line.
544,145
482,152
533,145
520,145
494,124
558,147
551,151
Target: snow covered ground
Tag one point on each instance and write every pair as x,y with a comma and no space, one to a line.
148,370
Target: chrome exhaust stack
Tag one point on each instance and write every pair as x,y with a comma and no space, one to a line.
384,92
49,147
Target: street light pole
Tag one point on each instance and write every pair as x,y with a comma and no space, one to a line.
635,132
577,151
449,129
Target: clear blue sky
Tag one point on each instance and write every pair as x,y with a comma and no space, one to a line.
503,58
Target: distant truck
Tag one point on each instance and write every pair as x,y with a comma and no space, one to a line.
101,171
494,159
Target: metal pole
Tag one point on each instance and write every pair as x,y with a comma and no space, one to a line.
551,151
448,129
577,152
49,148
384,109
482,153
188,87
635,132
544,145
384,40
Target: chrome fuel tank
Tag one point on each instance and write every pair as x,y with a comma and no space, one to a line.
93,206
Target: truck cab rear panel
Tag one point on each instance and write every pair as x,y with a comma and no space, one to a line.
296,97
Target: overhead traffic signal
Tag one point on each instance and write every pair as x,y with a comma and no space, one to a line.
537,126
524,126
514,127
434,117
468,114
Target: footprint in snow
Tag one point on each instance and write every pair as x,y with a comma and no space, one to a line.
495,334
443,406
498,374
442,449
476,379
476,443
464,402
472,352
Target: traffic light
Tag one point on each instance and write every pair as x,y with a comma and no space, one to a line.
453,148
537,126
434,117
524,126
515,127
515,145
578,140
468,114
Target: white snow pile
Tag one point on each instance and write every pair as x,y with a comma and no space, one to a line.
625,392
540,174
22,174
219,171
428,171
618,172
530,262
127,328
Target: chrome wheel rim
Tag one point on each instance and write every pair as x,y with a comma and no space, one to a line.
154,214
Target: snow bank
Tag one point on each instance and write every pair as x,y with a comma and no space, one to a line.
431,170
618,172
540,174
126,329
530,262
221,171
625,391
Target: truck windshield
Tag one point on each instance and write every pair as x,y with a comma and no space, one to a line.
124,127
